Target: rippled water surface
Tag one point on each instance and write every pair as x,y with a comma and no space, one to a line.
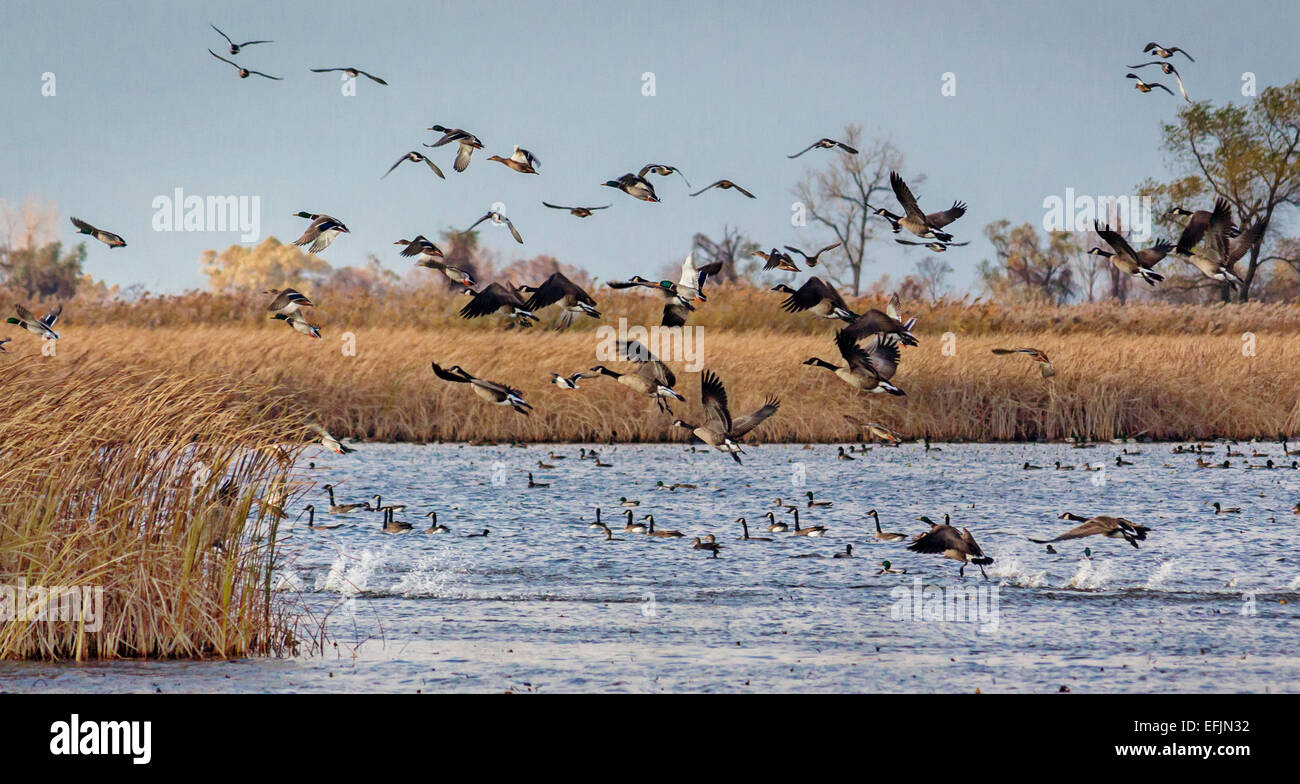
1209,603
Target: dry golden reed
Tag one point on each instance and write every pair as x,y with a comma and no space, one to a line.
159,484
1108,383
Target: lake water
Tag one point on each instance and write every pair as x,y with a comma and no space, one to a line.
1209,603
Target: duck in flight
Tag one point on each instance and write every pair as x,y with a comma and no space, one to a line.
498,219
691,284
634,185
234,47
677,303
107,237
724,185
322,231
775,259
352,72
1040,359
466,143
300,323
1165,51
520,160
825,144
244,73
1146,87
662,170
415,157
1169,70
42,327
578,212
287,301
811,261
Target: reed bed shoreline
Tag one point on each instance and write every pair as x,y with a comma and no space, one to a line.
1161,387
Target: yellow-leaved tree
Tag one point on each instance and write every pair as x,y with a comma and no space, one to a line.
272,264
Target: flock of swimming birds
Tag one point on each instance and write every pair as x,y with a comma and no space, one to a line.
869,344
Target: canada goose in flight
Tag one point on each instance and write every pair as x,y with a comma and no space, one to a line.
811,261
1103,525
478,536
848,552
877,431
491,391
532,483
322,231
1040,359
631,527
712,547
352,72
572,299
300,323
570,382
864,371
1218,254
499,300
1146,87
885,536
466,143
691,283
107,237
1122,255
41,327
886,569
719,430
725,185
1200,221
1169,70
234,47
652,377
773,527
818,297
434,527
415,157
336,508
813,530
520,160
815,504
498,219
745,537
677,305
580,212
310,509
873,322
391,526
946,540
661,534
243,72
825,144
775,259
330,442
1225,509
287,301
934,245
633,185
663,170
918,223
1165,51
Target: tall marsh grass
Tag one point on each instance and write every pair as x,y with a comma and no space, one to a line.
159,485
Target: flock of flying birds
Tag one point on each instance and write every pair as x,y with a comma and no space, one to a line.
869,344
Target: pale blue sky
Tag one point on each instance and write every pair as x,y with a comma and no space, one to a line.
141,109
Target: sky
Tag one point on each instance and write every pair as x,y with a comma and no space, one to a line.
141,109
